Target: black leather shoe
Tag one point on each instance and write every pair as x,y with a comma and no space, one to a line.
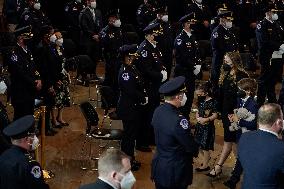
144,148
202,169
59,126
230,184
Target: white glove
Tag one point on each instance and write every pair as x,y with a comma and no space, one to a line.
3,87
165,75
197,69
146,101
281,48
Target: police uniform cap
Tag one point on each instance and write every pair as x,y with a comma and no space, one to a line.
188,18
173,87
226,14
270,7
222,7
21,128
152,28
128,50
24,31
161,10
113,13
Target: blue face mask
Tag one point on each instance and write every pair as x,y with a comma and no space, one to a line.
128,181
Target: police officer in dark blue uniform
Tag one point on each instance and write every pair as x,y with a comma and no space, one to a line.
172,162
151,67
146,12
111,39
33,16
203,17
18,169
222,41
165,40
25,79
131,101
72,11
270,37
187,59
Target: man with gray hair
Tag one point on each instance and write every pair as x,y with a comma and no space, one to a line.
261,153
114,171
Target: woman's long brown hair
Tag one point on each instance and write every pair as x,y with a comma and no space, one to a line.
237,66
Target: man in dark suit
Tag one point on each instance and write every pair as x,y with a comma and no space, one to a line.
261,152
114,171
90,20
172,162
25,79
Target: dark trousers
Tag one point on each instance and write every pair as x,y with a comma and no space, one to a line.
281,96
158,186
237,172
215,71
268,79
130,128
22,109
92,49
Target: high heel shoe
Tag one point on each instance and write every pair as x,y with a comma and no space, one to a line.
215,173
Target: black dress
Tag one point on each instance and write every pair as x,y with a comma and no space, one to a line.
205,134
228,101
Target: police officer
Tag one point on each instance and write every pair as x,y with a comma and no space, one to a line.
165,40
151,67
222,41
25,79
111,39
72,11
90,20
145,14
18,169
270,37
33,16
132,97
172,162
187,57
12,10
203,17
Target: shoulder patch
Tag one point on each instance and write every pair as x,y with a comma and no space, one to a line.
36,171
139,11
144,53
184,123
67,8
125,76
14,58
258,26
179,41
215,35
26,17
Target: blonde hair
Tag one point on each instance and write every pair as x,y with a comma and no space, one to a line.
237,66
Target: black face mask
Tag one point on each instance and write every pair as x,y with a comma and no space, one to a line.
201,99
227,67
241,93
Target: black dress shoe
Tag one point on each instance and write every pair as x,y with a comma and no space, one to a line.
202,169
230,184
144,148
59,126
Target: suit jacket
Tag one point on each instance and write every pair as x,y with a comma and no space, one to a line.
262,157
88,25
99,184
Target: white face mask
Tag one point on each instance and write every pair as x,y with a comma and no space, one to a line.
184,99
35,143
198,1
3,87
52,38
78,1
37,6
229,25
128,181
274,17
93,4
117,23
59,42
165,18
